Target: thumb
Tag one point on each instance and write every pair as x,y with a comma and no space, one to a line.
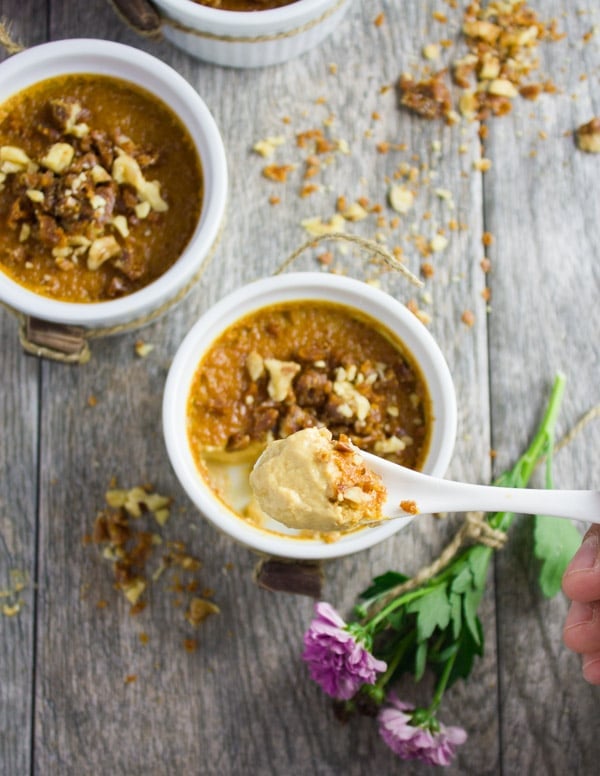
581,581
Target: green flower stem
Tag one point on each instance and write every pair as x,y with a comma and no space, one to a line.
542,443
399,653
441,685
395,604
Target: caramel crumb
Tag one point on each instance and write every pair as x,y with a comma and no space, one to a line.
325,258
487,238
379,20
92,401
190,645
410,507
130,679
467,318
277,172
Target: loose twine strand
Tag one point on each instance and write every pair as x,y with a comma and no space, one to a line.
474,529
6,39
369,246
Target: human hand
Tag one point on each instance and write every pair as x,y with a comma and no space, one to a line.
581,583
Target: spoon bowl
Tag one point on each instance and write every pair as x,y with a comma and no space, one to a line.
410,493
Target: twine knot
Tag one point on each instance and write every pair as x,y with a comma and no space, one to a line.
477,528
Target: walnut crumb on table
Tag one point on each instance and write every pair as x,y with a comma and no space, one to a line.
587,136
125,533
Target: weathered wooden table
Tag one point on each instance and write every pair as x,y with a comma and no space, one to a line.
242,702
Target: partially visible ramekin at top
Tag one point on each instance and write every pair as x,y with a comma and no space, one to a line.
249,39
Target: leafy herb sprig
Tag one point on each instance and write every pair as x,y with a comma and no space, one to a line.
435,624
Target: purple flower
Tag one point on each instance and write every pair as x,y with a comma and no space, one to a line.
336,659
432,744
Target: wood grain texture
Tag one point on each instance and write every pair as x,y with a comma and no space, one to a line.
544,318
19,421
242,702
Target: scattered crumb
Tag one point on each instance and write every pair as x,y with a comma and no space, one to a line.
467,318
143,349
199,609
277,172
587,136
410,507
124,533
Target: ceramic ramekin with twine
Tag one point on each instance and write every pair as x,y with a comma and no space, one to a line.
61,330
307,287
237,38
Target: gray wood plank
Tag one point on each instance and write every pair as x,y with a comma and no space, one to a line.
19,408
545,284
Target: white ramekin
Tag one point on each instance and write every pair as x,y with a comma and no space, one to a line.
302,286
249,39
129,64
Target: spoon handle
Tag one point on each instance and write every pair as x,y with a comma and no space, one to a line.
459,497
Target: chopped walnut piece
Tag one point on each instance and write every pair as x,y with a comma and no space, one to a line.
133,590
255,365
354,403
438,243
126,169
199,609
316,226
266,147
143,349
102,249
355,212
13,159
391,445
281,376
482,30
587,136
58,157
482,165
429,98
502,87
401,198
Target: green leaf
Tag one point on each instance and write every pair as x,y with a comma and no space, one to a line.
471,601
420,660
468,648
555,542
455,601
396,620
463,580
383,583
479,560
432,610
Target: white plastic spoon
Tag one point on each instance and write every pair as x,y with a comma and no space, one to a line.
423,494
